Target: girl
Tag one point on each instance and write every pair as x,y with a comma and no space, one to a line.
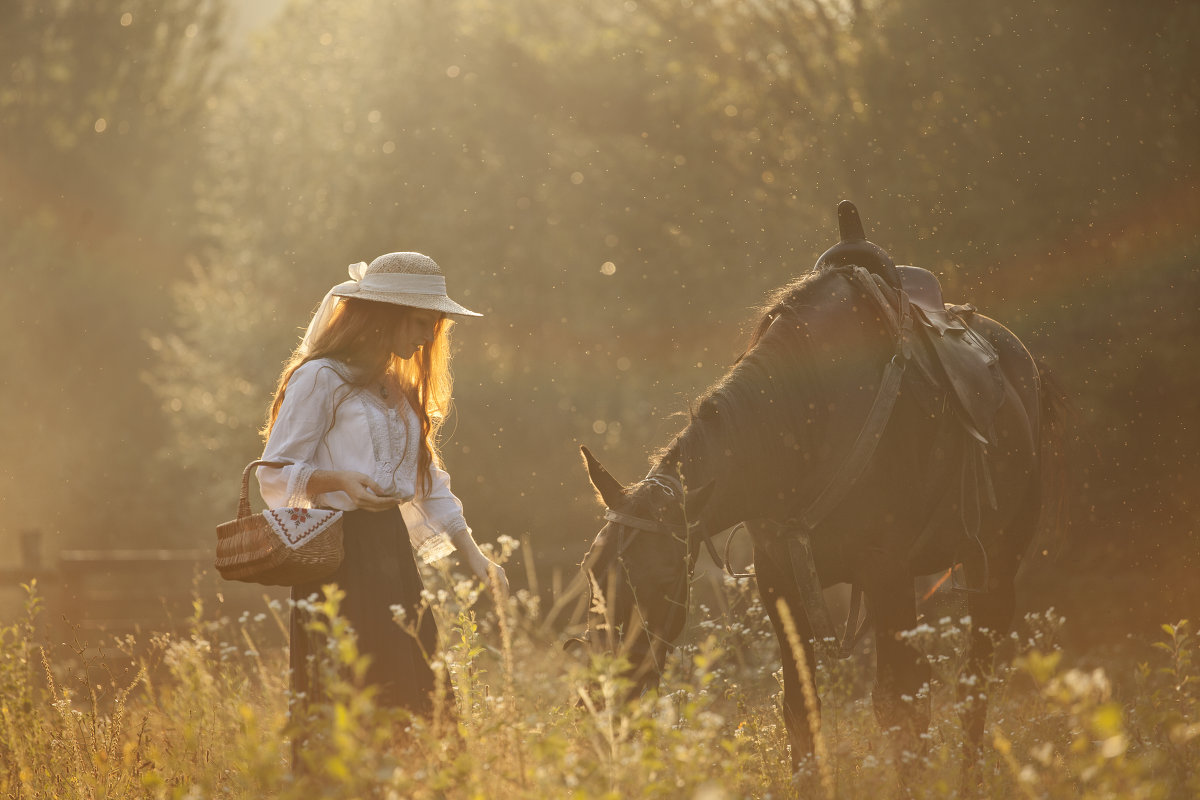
355,417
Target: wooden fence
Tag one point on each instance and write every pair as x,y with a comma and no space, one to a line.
124,590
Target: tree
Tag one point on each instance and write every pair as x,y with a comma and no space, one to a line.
617,185
100,105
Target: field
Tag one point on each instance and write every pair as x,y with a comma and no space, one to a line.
203,713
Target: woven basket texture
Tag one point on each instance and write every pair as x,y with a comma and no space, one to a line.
249,549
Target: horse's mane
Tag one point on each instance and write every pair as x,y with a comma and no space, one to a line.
762,414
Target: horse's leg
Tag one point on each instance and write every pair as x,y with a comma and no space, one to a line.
991,619
773,575
900,695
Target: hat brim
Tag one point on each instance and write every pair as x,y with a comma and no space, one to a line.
431,302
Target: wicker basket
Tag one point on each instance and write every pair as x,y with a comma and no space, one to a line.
280,546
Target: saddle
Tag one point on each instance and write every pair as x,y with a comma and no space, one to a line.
964,361
953,360
954,355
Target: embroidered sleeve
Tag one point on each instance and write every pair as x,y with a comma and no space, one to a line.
431,519
302,422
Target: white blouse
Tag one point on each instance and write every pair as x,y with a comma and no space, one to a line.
367,435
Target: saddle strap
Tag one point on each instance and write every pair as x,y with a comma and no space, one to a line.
976,480
816,609
899,324
856,623
851,469
800,549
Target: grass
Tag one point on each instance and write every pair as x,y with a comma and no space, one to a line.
203,714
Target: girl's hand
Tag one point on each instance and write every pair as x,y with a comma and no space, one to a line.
366,493
484,569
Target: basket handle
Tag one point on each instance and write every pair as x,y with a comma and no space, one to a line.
244,498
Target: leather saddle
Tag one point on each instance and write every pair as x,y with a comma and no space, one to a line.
966,361
954,357
953,360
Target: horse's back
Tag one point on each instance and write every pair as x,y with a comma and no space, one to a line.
1022,402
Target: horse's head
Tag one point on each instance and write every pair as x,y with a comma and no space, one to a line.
638,567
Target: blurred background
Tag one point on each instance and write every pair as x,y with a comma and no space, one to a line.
617,186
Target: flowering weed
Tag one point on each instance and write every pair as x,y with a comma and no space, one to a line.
204,713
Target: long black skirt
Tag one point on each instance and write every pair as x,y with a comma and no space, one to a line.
377,573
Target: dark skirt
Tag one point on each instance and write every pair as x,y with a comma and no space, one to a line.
377,572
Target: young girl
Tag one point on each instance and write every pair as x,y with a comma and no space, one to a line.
355,417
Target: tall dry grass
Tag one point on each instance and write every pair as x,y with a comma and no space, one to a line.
203,714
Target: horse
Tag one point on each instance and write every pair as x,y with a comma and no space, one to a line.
859,445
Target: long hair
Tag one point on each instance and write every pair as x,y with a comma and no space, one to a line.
360,334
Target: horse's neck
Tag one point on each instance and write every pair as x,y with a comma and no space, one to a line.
691,462
768,408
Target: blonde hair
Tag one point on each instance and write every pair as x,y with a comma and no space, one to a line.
360,334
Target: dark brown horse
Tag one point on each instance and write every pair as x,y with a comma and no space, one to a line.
860,442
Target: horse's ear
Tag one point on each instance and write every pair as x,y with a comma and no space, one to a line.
696,500
610,489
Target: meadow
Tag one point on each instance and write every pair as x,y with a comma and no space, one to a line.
203,713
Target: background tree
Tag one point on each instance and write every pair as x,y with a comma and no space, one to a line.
616,185
100,107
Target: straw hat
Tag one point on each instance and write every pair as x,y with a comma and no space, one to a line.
405,279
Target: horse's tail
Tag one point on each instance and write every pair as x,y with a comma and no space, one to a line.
1057,413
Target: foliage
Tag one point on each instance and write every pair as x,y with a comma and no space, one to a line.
616,185
204,714
101,108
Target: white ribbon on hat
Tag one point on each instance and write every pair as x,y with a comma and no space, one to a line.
394,283
386,282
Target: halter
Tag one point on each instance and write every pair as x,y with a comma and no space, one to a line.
674,488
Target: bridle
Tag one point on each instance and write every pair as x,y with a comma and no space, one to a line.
674,488
679,531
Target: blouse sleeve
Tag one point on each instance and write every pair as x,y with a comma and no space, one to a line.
432,518
301,423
